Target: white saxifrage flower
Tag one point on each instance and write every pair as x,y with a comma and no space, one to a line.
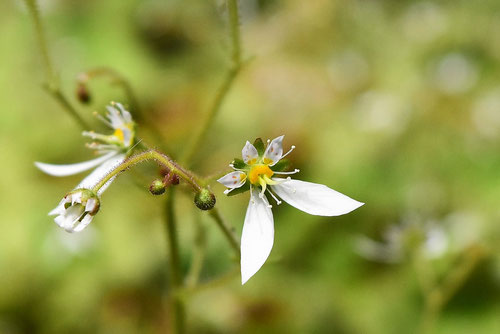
259,167
113,149
76,210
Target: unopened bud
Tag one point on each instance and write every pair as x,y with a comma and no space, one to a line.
204,199
157,187
82,93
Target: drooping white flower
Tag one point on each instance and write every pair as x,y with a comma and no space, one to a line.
259,167
76,210
113,149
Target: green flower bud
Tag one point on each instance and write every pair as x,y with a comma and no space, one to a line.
204,199
157,187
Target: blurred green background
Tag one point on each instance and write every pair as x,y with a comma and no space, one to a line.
395,103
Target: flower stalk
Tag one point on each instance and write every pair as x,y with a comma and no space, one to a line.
178,306
51,85
226,230
161,159
437,297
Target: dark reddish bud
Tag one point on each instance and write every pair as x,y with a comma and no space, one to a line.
82,93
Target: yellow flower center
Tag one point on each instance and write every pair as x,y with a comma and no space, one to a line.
256,172
119,134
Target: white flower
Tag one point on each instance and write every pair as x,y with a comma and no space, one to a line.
259,166
113,149
76,210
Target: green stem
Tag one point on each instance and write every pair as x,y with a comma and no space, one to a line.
116,78
200,243
234,27
160,158
227,231
440,295
178,307
52,80
224,88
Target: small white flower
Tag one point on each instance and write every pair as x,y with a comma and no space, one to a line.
259,166
76,210
113,149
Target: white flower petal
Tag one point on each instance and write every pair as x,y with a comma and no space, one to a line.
274,151
70,216
233,179
97,174
59,209
257,236
83,223
249,152
313,198
65,170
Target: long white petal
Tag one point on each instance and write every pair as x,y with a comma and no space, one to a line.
65,170
313,198
97,174
257,236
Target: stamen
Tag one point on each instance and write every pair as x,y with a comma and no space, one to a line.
251,195
287,153
278,202
227,191
238,169
102,119
93,135
288,173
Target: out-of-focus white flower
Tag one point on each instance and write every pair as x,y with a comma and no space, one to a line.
400,241
349,70
455,74
113,149
486,114
377,111
258,166
424,21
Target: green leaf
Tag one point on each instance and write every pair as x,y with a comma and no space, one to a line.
238,163
259,145
282,166
242,189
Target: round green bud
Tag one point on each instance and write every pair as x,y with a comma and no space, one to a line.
157,187
204,199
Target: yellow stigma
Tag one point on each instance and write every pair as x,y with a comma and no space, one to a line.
257,171
119,134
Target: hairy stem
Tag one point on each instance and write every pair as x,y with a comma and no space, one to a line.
227,231
161,159
52,80
224,88
178,307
